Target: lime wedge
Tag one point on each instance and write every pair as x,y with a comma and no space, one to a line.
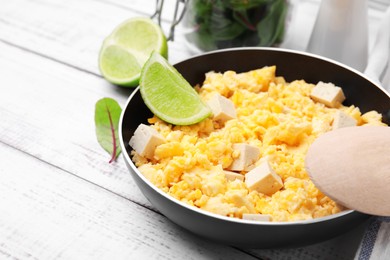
128,47
168,95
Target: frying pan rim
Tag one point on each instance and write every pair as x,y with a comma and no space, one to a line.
214,215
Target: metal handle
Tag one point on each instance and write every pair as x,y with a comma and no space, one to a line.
176,20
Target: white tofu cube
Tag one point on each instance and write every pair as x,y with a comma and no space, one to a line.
342,119
256,217
263,179
232,176
145,140
222,108
327,94
248,155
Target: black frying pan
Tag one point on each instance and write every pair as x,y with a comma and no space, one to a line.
292,65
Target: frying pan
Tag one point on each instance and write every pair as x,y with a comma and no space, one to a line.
292,65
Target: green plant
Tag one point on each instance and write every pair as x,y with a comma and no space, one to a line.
223,24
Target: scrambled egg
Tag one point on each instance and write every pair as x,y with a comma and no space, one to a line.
278,117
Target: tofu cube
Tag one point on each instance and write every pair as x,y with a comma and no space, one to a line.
263,179
256,217
145,140
248,155
327,94
342,119
232,176
222,108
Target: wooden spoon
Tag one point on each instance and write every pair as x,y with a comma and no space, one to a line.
351,165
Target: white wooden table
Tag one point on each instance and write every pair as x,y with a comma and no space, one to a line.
59,196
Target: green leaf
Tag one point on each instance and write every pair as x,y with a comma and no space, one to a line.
107,114
242,5
201,8
243,18
272,25
230,23
222,27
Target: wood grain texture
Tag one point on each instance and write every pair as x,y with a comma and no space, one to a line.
59,197
46,213
42,116
53,29
44,119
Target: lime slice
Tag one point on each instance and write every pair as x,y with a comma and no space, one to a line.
128,47
168,95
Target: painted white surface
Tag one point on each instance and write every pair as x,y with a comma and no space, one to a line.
59,197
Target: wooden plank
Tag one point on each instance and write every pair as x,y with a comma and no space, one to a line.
47,27
72,31
39,110
46,213
47,110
